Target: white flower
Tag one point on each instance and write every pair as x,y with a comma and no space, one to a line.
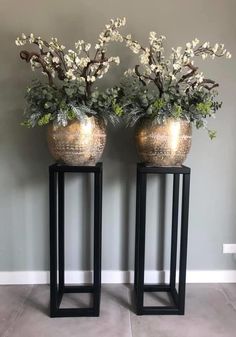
31,38
97,46
54,39
19,42
71,52
104,70
159,68
189,49
70,75
195,42
79,44
152,37
116,36
34,64
52,72
176,53
172,76
136,49
185,60
206,45
117,60
56,59
144,57
69,61
103,38
23,36
199,78
215,48
147,70
129,72
91,78
228,55
153,67
189,45
157,46
176,66
204,56
114,59
83,62
40,43
117,23
133,45
123,21
87,47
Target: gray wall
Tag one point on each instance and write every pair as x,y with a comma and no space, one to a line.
24,158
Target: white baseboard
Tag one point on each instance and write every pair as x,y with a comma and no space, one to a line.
117,276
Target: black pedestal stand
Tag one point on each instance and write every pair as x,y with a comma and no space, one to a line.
57,249
139,286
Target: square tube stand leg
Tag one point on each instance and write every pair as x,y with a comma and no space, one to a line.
139,286
57,246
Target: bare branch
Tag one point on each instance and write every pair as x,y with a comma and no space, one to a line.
189,74
207,81
139,75
27,56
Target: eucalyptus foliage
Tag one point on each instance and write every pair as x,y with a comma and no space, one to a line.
61,104
139,101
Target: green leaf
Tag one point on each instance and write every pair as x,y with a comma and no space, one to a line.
212,134
177,111
204,107
159,104
71,115
69,91
117,109
45,119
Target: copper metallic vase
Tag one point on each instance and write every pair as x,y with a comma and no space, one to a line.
79,143
164,144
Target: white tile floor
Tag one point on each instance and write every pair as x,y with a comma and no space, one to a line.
210,312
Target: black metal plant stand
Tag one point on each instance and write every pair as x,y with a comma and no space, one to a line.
57,249
139,286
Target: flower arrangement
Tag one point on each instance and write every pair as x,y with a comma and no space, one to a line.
70,93
159,88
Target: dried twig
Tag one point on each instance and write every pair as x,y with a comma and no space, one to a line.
27,56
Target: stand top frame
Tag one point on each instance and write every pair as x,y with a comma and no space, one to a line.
143,168
83,169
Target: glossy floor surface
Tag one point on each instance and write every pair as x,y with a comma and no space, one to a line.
210,312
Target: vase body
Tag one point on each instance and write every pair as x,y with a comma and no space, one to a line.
164,144
80,143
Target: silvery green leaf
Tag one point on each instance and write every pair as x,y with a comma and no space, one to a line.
79,114
87,110
34,118
62,118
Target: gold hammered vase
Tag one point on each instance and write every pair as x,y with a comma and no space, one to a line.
78,143
164,144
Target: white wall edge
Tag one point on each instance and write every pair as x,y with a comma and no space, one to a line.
117,276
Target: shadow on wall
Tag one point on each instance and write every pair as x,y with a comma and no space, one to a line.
119,198
23,175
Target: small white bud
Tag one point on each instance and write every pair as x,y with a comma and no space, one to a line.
228,55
